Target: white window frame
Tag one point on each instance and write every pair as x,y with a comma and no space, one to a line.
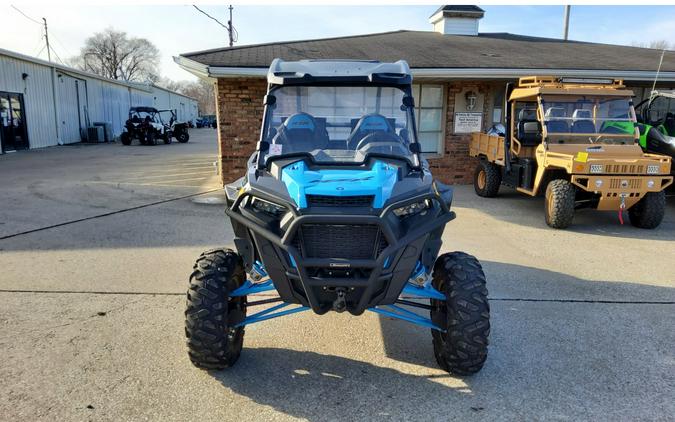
440,147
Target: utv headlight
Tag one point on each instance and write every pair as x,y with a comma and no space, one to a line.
596,168
267,207
652,169
412,209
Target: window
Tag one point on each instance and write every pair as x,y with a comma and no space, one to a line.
498,106
429,114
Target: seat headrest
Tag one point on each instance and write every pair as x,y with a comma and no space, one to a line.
555,112
582,114
301,121
373,123
527,114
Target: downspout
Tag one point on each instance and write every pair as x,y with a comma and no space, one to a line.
59,141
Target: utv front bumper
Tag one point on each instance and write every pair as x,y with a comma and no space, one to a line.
617,191
350,261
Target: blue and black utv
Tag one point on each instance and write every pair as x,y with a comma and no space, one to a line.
338,211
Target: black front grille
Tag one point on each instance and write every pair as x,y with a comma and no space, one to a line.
359,241
339,201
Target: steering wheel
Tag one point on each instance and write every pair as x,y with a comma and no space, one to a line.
380,138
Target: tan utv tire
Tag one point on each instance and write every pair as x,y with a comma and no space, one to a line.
486,179
560,197
649,211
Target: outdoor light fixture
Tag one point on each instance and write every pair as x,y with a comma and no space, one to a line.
470,97
24,76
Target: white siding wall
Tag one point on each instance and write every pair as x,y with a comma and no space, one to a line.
81,100
457,26
186,108
110,102
37,95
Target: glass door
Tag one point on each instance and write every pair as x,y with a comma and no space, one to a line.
12,122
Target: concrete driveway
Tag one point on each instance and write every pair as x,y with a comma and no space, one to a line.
96,243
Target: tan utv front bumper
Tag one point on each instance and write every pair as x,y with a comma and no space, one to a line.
615,189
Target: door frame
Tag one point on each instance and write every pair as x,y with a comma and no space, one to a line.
22,104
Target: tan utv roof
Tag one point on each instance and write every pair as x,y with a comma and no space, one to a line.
532,86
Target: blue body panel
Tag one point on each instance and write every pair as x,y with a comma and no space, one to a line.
378,181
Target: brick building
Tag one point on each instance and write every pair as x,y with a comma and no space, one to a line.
460,75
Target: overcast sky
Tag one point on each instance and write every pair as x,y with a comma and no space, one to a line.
180,29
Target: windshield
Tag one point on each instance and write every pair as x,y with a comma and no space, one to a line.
338,124
588,119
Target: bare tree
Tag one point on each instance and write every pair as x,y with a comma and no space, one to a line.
655,44
201,90
114,55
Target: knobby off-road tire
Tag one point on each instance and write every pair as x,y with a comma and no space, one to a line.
167,138
183,137
211,315
125,138
465,314
486,179
560,197
648,212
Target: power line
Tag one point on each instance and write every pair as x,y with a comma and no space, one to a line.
40,52
57,56
209,16
61,44
25,15
232,32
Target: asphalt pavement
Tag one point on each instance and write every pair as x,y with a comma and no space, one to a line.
97,241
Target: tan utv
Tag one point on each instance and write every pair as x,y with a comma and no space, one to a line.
575,141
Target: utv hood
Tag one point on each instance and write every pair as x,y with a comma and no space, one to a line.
377,181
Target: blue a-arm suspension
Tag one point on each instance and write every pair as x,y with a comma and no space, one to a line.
251,288
422,291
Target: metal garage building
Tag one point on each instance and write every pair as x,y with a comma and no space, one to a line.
45,104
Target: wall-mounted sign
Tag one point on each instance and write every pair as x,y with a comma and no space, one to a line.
468,122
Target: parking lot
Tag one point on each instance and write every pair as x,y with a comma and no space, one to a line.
97,242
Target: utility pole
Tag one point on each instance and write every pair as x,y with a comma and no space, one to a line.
49,53
230,29
566,23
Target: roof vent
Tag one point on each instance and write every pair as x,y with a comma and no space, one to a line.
457,20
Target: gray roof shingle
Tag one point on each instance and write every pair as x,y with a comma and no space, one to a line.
426,49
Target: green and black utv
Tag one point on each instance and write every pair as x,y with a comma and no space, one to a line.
656,122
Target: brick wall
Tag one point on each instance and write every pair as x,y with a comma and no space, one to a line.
239,112
455,166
